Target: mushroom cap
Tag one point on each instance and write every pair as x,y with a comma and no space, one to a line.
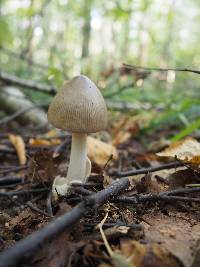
78,107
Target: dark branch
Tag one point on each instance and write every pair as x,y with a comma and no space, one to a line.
147,170
11,79
165,196
13,169
20,112
10,180
22,192
132,67
25,248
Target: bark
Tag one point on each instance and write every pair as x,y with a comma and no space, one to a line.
12,100
86,30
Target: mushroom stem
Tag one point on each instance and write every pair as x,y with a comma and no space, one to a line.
78,158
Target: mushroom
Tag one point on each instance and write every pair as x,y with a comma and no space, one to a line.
79,108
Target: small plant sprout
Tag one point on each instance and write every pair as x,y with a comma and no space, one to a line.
79,108
118,259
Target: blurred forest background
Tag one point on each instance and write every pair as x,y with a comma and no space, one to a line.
51,41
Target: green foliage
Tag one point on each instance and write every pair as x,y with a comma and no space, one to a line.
26,12
55,75
5,33
135,32
188,130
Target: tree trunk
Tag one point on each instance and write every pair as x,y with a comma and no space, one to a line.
12,100
86,30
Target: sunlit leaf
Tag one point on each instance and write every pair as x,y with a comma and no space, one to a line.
186,150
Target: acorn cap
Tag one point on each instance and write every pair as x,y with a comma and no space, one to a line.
78,107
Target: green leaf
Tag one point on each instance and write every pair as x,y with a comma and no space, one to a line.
55,75
26,12
188,130
5,33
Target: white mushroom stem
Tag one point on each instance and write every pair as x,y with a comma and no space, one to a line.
78,157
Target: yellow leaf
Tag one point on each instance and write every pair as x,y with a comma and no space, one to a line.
185,150
99,151
43,142
121,137
52,133
19,146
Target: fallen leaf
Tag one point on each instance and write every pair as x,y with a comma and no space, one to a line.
186,150
129,126
52,133
19,145
121,137
181,178
150,255
176,232
43,142
42,167
99,151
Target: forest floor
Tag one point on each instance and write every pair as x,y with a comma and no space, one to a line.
159,227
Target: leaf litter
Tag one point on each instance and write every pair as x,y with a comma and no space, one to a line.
147,234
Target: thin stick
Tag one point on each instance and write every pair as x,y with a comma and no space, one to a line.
24,249
13,169
22,192
100,226
11,79
20,112
150,169
31,206
10,180
132,67
167,195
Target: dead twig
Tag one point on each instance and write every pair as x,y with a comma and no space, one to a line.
167,196
132,67
22,192
20,112
25,248
11,79
148,170
10,180
13,169
31,206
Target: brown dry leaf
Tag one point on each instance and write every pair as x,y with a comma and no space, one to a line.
43,167
121,137
177,232
19,145
181,178
186,150
99,151
151,255
129,126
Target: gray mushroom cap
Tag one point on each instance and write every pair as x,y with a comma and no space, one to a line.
78,107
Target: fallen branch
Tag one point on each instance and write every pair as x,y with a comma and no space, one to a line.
22,192
20,112
10,180
148,170
11,79
132,67
166,196
24,249
36,209
13,169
